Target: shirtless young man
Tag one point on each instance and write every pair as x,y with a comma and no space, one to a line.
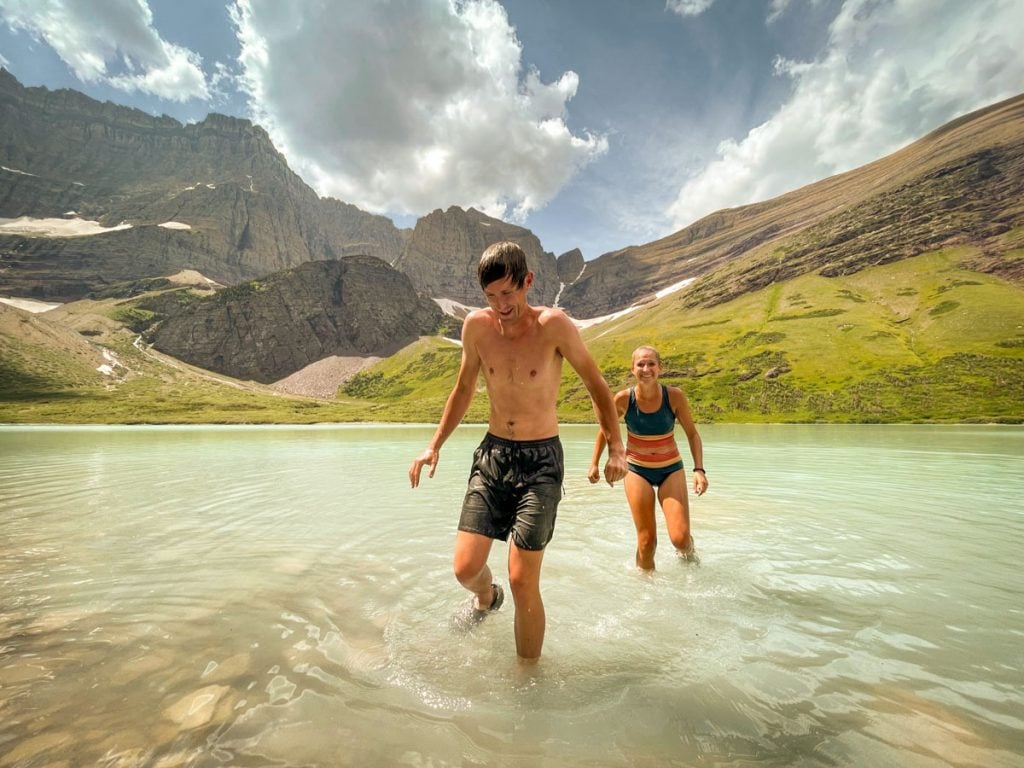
516,480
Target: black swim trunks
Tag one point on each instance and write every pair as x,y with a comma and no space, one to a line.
514,487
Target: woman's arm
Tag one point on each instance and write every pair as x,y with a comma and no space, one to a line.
681,408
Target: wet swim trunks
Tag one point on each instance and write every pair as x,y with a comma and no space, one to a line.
647,431
514,488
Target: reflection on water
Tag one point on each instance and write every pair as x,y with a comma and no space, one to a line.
278,596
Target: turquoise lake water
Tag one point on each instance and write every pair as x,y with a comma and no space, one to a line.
279,596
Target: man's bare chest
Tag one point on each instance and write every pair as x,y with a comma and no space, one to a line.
524,361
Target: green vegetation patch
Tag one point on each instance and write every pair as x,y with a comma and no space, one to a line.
807,315
944,308
135,318
754,339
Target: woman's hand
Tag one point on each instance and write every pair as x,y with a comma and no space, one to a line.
700,482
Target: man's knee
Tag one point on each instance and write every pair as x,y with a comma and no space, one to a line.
524,573
468,563
466,571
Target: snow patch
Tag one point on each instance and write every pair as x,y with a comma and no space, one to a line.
29,305
674,287
110,367
454,308
615,315
174,225
15,170
75,227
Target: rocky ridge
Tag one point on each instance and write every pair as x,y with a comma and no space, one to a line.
265,330
960,184
242,213
442,254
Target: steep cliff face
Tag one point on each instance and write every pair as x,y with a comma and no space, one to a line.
570,264
444,250
248,214
267,329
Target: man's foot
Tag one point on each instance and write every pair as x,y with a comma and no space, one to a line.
689,555
470,615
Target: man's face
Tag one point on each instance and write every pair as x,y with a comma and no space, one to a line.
508,301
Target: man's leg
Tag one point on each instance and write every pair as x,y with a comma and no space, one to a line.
524,580
470,565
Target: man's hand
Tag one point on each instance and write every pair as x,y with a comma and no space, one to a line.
615,468
429,456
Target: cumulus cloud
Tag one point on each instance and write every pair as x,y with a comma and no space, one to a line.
407,105
892,72
688,7
111,41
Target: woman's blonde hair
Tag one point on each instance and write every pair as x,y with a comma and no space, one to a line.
647,348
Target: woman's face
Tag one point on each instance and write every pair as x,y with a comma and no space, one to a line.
645,365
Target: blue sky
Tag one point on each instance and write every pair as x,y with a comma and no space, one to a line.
596,123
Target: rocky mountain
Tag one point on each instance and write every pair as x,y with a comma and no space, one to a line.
442,255
570,264
214,196
266,329
961,184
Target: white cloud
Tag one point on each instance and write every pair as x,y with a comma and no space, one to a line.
409,105
688,7
892,71
111,41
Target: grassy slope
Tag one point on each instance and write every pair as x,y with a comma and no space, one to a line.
918,340
48,375
922,339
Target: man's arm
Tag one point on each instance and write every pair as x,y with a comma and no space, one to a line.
594,473
456,406
571,345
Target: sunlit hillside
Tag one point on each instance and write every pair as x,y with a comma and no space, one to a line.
919,340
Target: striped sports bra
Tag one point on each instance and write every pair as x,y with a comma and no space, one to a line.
651,438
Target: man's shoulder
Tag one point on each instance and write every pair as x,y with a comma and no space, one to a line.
553,318
549,312
478,317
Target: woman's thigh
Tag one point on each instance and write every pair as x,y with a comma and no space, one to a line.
640,495
675,504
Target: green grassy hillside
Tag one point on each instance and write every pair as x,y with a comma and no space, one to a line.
922,339
919,340
48,375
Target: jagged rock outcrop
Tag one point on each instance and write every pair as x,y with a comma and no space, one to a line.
442,254
267,329
248,214
569,265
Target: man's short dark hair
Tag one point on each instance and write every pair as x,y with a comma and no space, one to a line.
500,260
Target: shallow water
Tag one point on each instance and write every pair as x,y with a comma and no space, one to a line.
256,596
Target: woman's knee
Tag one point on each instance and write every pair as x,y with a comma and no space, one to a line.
646,542
680,537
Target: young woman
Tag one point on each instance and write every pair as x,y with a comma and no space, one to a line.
655,466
